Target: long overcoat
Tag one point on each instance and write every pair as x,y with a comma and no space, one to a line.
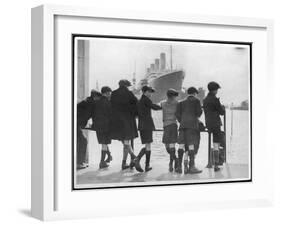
124,112
213,109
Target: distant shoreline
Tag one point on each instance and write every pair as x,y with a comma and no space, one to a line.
239,108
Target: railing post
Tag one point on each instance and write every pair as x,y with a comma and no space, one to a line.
210,159
224,128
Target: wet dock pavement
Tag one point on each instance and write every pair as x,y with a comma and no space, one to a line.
236,168
113,176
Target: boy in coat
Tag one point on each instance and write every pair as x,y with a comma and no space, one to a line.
170,134
101,124
123,126
85,110
188,113
146,125
213,109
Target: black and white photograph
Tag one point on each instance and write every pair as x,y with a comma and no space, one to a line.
158,111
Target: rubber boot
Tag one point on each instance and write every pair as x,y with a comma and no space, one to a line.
133,160
137,160
132,155
147,161
127,150
192,168
180,153
103,164
216,161
173,160
109,157
132,163
176,163
124,165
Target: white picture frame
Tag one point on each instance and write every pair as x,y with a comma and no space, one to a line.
50,196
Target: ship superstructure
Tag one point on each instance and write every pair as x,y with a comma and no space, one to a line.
162,78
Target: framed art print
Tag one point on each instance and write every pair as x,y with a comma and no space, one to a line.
102,61
147,111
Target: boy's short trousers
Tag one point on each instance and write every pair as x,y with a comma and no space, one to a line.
189,136
170,134
217,134
146,136
103,137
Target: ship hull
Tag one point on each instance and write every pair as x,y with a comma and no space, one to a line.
161,84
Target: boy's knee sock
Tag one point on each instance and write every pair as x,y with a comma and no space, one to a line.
216,157
108,152
180,154
186,155
191,160
216,153
147,159
172,154
103,153
125,153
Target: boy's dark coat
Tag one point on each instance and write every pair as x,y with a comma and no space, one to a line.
144,113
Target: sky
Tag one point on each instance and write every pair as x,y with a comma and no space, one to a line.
115,59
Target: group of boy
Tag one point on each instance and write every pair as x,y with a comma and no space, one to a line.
114,115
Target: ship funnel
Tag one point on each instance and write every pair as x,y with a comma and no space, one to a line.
162,61
152,67
157,64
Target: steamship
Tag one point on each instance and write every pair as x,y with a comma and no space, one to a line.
162,78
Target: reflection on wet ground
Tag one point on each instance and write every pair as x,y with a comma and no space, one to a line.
96,177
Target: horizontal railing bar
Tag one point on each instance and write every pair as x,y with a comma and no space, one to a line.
156,130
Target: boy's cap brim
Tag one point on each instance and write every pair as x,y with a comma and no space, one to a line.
148,88
172,92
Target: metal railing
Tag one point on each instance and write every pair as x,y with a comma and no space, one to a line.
210,151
